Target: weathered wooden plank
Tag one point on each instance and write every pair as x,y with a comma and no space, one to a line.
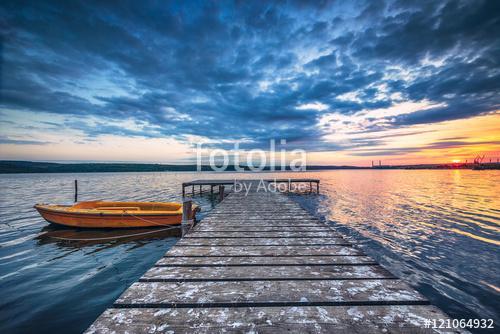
308,319
258,206
255,199
267,211
268,216
268,206
271,197
284,234
264,260
264,251
261,214
225,273
268,293
263,222
260,198
202,228
257,203
245,216
233,227
243,242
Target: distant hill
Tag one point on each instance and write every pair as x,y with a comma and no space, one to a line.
50,167
10,167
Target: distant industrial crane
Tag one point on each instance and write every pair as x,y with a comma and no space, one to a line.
478,159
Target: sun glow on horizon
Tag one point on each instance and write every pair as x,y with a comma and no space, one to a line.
453,141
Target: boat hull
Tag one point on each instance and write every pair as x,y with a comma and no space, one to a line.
100,220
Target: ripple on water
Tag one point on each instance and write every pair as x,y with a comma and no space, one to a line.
439,230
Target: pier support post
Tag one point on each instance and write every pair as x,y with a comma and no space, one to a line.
212,191
183,190
76,191
221,192
192,190
187,207
317,187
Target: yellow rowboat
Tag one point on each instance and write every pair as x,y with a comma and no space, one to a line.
100,214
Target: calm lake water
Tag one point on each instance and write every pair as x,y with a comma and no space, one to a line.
436,229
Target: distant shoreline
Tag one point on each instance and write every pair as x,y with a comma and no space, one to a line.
30,167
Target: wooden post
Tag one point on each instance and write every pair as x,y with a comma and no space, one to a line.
183,190
200,189
76,191
317,187
187,207
212,190
221,192
310,187
192,190
289,184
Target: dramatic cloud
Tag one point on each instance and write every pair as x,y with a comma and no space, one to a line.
325,76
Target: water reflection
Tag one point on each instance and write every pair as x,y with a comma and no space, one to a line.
438,230
76,238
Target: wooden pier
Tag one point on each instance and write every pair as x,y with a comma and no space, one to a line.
218,183
258,262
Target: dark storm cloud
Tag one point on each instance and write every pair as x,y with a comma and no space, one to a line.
238,70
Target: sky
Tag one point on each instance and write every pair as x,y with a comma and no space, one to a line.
347,81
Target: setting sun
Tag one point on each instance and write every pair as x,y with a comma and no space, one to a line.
455,161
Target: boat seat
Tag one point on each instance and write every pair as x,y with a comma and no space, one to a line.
132,208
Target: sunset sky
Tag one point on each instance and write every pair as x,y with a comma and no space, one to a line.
347,81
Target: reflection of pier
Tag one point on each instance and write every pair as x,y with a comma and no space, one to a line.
258,262
218,184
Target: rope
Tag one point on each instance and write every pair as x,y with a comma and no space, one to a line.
150,221
125,212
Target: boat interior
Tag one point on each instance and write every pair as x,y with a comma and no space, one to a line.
128,206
